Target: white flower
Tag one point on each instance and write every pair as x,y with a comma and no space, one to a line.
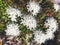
29,21
56,7
56,1
13,30
41,37
33,7
13,13
52,24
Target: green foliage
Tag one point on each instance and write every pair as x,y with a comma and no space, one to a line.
3,17
2,27
24,29
58,16
40,1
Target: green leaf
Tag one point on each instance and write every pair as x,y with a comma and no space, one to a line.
2,27
58,16
40,1
43,16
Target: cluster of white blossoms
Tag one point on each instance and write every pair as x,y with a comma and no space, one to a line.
33,7
41,37
56,1
52,24
29,21
13,13
56,5
13,30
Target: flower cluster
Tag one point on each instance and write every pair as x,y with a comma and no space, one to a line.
13,30
41,37
56,5
52,24
13,13
29,21
33,7
56,1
